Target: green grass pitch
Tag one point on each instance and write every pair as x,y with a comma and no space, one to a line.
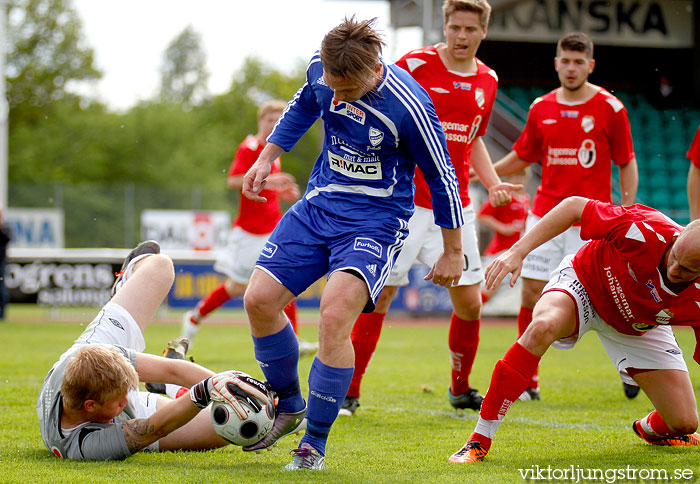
403,433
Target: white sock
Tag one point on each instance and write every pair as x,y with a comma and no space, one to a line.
487,428
172,390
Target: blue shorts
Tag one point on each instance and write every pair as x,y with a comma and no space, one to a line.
310,242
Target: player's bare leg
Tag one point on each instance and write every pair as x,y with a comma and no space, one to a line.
675,418
554,318
530,294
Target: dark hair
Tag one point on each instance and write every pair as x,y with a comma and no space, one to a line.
576,41
351,50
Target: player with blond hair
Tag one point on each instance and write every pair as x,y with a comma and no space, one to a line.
89,406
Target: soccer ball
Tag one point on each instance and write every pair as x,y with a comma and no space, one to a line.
248,431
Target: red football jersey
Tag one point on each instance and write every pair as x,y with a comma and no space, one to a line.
575,144
694,151
255,217
515,211
620,268
463,103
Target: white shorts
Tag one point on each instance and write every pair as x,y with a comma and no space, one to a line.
113,325
424,245
540,263
238,259
656,349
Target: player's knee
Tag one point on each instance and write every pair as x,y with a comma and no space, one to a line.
684,424
542,331
161,269
255,302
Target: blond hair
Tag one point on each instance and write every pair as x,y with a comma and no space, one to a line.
480,7
272,106
351,50
99,373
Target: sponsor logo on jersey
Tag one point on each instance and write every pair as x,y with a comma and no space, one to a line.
269,250
653,291
375,136
618,296
349,111
355,167
479,97
321,81
587,153
673,351
587,123
440,90
569,114
549,121
372,268
664,316
465,86
368,245
116,323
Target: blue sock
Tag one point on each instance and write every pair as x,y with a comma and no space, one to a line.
278,356
327,389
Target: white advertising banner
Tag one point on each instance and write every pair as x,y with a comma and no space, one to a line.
186,229
34,228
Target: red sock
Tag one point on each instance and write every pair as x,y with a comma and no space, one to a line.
217,297
463,340
524,320
656,424
291,311
510,378
365,335
482,439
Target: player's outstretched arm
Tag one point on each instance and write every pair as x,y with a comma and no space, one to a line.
152,368
554,223
227,386
255,179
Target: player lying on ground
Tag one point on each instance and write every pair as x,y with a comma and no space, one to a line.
636,278
89,406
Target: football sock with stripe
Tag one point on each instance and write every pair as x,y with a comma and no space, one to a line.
510,378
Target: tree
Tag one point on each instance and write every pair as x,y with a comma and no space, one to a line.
183,73
46,54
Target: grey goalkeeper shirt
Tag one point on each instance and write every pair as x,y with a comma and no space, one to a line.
89,440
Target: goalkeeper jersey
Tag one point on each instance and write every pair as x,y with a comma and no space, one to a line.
89,440
371,147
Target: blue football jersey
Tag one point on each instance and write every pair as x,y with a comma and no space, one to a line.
371,147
